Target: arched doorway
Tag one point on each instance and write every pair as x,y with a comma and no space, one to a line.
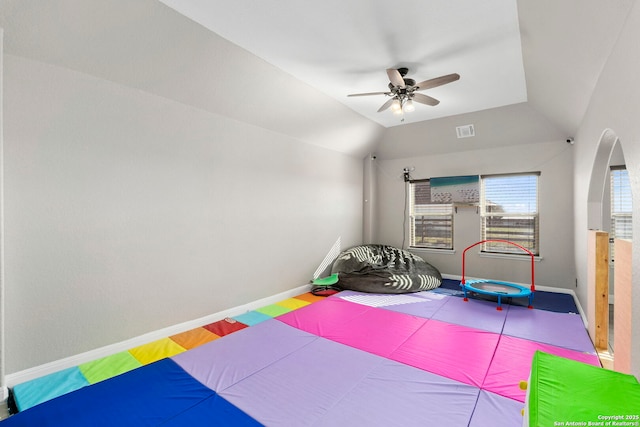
601,308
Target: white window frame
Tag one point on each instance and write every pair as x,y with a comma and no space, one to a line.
522,208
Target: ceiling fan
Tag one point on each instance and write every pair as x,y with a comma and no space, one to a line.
403,91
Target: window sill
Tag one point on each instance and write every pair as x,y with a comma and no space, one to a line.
537,258
433,250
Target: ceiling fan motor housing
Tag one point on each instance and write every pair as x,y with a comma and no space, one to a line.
407,81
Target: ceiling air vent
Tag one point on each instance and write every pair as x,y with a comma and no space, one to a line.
465,131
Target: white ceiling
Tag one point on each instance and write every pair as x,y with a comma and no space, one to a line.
341,47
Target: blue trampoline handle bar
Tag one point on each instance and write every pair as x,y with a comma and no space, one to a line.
533,287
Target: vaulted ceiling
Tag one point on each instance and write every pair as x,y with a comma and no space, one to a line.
527,67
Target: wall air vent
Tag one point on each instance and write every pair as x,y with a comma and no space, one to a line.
465,131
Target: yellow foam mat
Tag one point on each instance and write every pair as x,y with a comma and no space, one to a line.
156,350
293,303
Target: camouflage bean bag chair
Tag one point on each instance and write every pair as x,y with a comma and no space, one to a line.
384,269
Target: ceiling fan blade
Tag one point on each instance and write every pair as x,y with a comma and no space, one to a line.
424,99
386,105
370,93
438,81
395,78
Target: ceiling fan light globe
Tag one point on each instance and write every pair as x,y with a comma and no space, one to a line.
409,107
396,105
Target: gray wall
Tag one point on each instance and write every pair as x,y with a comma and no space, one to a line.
128,212
552,159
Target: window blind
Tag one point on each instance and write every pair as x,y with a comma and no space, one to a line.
509,211
621,205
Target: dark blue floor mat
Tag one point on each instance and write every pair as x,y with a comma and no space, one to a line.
542,300
158,394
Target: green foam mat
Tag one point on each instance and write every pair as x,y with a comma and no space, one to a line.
273,310
110,366
565,391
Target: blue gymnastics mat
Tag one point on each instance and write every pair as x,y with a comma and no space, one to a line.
542,300
158,394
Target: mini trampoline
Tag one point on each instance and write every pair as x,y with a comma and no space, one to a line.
498,288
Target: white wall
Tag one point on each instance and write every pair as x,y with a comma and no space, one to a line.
552,159
615,105
127,212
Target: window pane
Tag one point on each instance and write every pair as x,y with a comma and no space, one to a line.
620,204
621,227
620,208
432,231
521,230
510,212
431,224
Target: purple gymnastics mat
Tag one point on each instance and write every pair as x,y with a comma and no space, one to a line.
348,360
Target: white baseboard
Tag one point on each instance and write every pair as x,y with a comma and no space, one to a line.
78,359
539,288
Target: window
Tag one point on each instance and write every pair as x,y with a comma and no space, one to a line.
509,211
620,205
431,223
